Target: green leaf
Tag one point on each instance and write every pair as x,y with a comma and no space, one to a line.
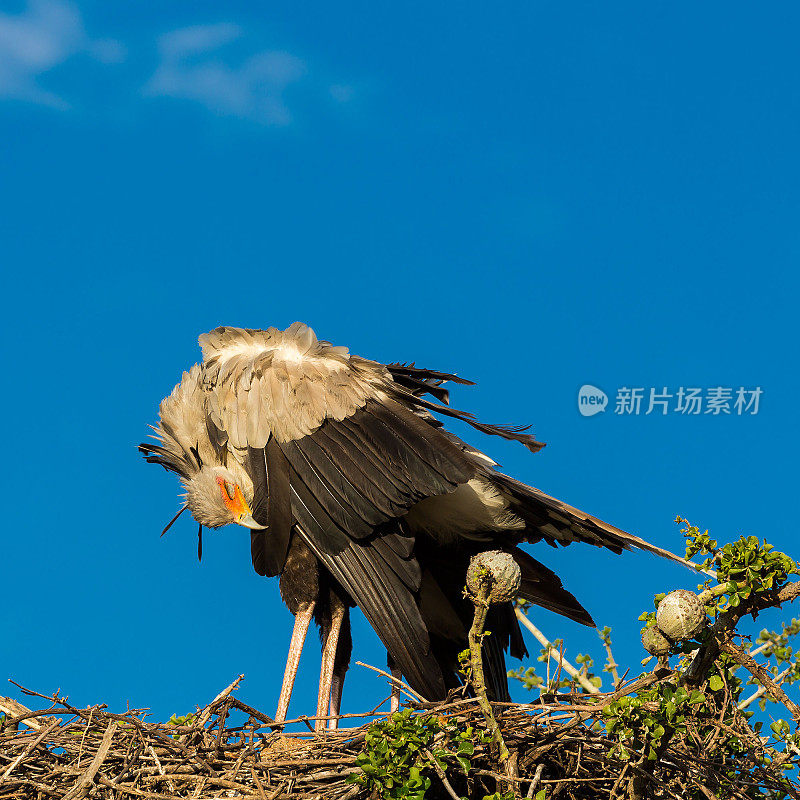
780,727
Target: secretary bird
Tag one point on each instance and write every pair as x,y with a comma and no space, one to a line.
356,495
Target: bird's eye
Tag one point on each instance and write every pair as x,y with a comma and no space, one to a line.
230,489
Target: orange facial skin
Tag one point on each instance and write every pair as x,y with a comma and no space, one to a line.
235,504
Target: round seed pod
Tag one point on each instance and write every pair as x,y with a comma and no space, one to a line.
680,615
654,641
498,571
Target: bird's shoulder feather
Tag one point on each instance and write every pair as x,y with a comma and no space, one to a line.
282,383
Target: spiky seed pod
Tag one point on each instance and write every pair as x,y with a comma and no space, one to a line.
499,571
680,615
654,641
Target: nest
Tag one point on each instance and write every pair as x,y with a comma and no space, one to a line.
228,749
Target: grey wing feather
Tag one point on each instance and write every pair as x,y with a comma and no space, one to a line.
555,521
299,380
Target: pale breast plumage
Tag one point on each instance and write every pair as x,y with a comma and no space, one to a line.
182,426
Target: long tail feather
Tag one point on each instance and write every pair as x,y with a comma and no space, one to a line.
555,521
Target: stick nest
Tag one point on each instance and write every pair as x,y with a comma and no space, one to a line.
228,749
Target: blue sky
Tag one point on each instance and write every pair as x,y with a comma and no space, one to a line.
534,195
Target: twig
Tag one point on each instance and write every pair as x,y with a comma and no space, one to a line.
403,687
557,746
257,782
761,648
762,676
441,773
30,748
17,712
612,664
252,711
205,715
727,621
475,638
762,690
83,738
560,665
537,776
82,786
161,769
555,655
612,794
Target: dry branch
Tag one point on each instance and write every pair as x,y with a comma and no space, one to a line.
230,750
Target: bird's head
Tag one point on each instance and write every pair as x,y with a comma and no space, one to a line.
219,496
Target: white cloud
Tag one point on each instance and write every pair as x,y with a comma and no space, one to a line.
184,42
203,63
40,38
218,66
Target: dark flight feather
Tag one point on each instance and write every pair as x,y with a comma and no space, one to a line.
365,471
337,496
406,567
363,573
279,519
566,524
257,469
156,454
366,440
338,483
543,587
269,472
424,387
376,464
426,374
512,432
493,649
429,443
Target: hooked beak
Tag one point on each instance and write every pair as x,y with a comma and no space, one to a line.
247,521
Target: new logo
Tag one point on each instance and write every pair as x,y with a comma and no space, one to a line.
591,400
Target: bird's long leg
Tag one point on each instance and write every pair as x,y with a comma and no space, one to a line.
341,664
330,634
394,703
301,622
337,685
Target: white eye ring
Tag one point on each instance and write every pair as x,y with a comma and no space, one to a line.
230,489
